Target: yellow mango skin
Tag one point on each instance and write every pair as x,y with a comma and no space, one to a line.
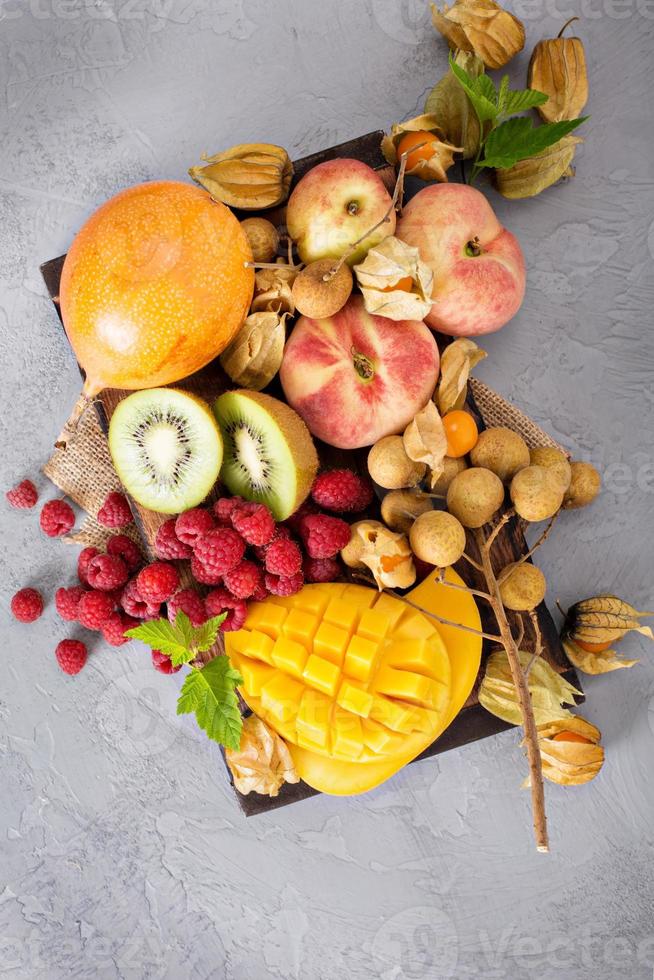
333,766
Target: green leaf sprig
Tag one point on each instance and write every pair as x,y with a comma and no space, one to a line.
504,141
210,691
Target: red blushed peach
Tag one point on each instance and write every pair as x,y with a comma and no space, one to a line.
479,269
355,377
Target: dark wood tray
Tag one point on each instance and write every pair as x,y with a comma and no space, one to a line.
473,722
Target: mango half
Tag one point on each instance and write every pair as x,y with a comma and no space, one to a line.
357,682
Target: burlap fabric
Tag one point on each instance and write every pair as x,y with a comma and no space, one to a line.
84,471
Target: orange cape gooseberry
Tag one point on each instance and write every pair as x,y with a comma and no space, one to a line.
594,647
423,141
461,433
154,286
571,737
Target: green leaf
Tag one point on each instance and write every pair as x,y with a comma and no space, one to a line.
484,108
484,86
522,99
184,630
518,138
205,635
162,635
210,693
502,94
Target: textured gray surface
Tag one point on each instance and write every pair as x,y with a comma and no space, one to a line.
122,852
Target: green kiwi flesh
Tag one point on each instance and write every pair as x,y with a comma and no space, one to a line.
166,448
269,453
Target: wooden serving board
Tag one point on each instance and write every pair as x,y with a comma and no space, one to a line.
473,722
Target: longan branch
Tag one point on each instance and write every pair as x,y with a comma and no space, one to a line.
462,588
506,517
523,558
471,561
524,698
521,632
538,641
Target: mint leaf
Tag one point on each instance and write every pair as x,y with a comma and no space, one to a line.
205,635
502,94
522,99
484,86
210,693
474,89
162,635
184,630
518,138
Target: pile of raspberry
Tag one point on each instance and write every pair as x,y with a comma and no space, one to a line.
231,552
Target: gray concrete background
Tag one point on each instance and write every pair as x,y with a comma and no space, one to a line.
122,852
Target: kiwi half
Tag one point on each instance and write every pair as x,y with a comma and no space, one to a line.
166,448
269,452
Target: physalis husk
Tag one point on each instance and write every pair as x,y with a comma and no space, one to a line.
425,440
383,279
386,553
481,26
570,751
457,361
434,163
262,763
549,691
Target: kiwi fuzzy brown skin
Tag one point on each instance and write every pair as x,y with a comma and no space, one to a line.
317,294
474,495
536,493
585,484
390,467
555,460
523,587
502,451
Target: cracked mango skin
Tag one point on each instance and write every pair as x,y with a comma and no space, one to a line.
357,682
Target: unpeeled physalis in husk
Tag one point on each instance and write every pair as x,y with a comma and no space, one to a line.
529,177
480,26
395,282
558,68
448,103
593,625
273,289
457,361
262,763
386,553
549,691
250,176
436,155
425,440
570,751
255,355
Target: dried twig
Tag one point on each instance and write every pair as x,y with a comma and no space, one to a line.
538,641
505,518
462,588
523,558
471,561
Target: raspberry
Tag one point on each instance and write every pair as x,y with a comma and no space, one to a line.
67,601
219,601
115,511
190,526
283,557
254,523
243,580
281,531
57,518
321,569
324,536
260,593
86,555
203,575
123,547
107,572
295,520
167,545
283,585
342,490
223,509
157,582
27,605
94,609
220,550
114,628
23,496
71,656
135,605
163,663
190,602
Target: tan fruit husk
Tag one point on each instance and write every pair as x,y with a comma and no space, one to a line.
448,103
570,763
558,68
549,691
386,553
602,619
442,157
250,176
457,361
480,26
385,265
255,355
529,177
425,440
273,290
598,662
262,763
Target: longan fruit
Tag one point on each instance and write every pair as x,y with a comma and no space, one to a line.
451,466
474,495
585,484
502,451
400,508
317,297
536,493
263,238
555,461
438,538
523,588
390,467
